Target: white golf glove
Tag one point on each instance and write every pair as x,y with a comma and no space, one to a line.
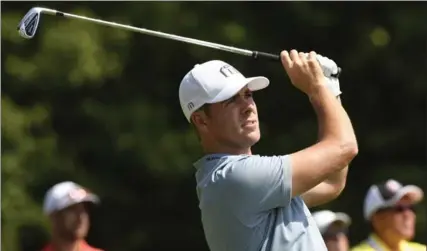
329,68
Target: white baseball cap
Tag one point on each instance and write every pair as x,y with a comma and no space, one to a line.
212,82
387,194
65,194
325,218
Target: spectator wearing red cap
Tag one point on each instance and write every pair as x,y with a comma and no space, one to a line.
65,205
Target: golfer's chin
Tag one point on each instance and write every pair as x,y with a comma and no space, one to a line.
252,136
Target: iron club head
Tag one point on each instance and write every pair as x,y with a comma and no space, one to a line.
28,26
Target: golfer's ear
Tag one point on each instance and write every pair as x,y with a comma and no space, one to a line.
199,120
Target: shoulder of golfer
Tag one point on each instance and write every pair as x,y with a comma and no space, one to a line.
253,183
265,182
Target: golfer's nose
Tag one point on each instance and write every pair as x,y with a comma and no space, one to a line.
247,107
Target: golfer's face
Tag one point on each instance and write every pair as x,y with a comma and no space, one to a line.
235,121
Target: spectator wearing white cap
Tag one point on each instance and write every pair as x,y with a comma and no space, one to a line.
389,207
334,228
66,206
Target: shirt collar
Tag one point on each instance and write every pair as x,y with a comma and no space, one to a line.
208,157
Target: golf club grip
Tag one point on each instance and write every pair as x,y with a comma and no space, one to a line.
259,54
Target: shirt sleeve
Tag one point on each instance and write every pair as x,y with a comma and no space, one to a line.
260,183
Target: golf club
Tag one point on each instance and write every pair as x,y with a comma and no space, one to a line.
28,27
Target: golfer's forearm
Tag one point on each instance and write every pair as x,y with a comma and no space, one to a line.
321,130
334,123
337,178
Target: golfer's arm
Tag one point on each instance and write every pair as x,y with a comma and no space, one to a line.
329,189
336,147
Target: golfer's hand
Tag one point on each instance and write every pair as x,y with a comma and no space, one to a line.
304,71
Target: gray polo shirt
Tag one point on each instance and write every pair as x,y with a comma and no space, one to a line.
246,205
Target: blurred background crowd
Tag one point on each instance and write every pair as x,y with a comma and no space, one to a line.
99,106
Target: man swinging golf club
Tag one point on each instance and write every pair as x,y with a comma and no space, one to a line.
250,202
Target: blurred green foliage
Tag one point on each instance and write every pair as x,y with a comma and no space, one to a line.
100,106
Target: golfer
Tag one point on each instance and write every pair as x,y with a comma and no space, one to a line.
250,202
66,206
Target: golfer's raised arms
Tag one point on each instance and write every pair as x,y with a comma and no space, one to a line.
338,145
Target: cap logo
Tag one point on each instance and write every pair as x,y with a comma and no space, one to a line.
77,194
228,70
392,185
190,106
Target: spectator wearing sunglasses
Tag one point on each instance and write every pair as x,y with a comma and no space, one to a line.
334,228
389,208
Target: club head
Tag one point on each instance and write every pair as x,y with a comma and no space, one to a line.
28,26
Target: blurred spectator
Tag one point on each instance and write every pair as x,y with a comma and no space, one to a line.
66,206
389,207
334,228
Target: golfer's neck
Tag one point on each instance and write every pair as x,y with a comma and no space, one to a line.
217,148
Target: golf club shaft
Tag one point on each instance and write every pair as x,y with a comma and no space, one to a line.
253,54
244,52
